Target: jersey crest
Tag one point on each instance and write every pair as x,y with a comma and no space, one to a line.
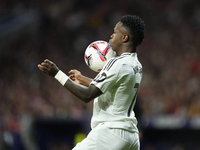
100,77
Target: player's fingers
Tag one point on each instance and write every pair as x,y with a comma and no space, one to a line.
75,72
71,71
43,64
43,68
71,76
48,61
39,66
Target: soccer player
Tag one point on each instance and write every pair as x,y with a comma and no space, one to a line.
114,90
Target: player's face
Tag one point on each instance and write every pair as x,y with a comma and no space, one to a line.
116,38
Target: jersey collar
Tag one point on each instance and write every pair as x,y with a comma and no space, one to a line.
127,53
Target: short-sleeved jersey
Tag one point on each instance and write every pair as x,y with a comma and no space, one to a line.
119,81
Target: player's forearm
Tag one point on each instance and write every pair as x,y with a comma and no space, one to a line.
86,94
85,80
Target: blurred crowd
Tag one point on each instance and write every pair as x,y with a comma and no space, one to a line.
62,31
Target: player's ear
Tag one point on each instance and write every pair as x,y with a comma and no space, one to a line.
125,38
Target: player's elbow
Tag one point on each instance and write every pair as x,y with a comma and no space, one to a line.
87,98
92,95
87,94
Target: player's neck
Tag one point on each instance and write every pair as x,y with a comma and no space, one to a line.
127,50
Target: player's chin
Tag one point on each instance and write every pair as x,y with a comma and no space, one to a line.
110,42
113,48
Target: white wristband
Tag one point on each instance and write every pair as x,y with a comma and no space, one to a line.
61,77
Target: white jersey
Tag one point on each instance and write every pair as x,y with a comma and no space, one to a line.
119,81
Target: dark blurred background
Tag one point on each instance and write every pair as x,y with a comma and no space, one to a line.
36,112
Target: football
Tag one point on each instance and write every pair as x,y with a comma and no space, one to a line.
97,54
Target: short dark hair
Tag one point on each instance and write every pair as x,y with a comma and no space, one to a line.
136,26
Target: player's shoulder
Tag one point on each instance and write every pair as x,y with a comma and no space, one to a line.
115,62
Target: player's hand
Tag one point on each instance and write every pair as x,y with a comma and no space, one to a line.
75,76
48,67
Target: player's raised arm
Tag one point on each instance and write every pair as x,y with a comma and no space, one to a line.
85,93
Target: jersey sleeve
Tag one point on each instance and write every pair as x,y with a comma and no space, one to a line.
107,77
